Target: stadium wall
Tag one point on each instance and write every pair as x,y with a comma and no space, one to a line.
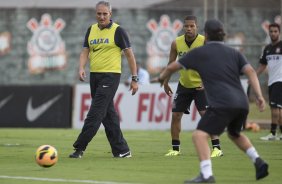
58,106
39,47
31,56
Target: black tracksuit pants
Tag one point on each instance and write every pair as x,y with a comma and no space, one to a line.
103,89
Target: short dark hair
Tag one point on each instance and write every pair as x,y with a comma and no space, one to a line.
274,25
214,30
191,17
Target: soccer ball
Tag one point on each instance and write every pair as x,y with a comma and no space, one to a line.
249,126
255,127
46,156
252,126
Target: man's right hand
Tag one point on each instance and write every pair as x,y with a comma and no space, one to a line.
82,75
260,102
167,89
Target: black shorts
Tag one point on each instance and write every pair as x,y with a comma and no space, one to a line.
215,120
275,95
184,97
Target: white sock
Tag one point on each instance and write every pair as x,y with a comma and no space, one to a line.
252,153
206,168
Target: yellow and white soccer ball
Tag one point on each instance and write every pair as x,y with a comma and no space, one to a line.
252,126
46,156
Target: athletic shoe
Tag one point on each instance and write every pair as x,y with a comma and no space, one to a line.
261,168
279,138
76,154
269,137
201,179
216,153
172,153
124,155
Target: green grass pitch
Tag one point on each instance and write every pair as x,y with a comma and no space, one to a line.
148,164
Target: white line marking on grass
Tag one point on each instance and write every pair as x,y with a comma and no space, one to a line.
58,180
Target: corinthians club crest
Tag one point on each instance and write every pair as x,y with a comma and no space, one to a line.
159,45
46,47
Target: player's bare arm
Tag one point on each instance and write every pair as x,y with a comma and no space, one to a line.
83,59
167,72
132,65
253,79
172,58
260,69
